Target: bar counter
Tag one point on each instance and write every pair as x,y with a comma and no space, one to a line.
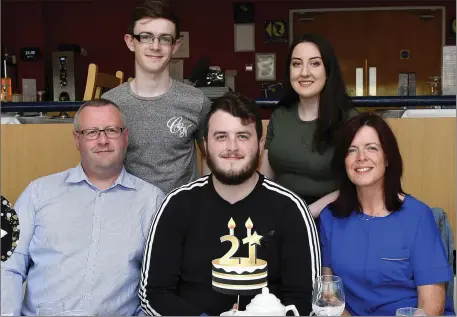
405,102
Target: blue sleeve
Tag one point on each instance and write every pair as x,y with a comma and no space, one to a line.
325,220
14,270
430,264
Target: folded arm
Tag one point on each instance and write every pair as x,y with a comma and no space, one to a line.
320,204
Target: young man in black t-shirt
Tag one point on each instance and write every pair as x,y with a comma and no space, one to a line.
185,234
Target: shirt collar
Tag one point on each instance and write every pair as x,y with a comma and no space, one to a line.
78,175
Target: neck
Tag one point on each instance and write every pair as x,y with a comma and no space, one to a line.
308,108
150,85
235,193
103,179
372,200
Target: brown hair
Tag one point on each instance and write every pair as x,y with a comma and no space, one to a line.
238,106
348,201
153,9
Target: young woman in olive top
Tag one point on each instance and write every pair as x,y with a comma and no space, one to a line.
302,129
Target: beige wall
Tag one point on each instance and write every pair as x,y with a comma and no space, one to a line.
428,147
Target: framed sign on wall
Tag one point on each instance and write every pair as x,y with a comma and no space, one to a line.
265,66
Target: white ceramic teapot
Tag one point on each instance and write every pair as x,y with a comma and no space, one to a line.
267,304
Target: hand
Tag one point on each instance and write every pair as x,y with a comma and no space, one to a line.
235,306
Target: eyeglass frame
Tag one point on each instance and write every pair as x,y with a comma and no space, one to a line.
138,36
81,132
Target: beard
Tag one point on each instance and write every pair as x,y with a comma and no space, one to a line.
233,177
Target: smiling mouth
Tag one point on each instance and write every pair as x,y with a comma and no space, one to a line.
107,151
232,157
306,82
363,169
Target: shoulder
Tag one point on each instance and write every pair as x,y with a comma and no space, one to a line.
189,91
187,192
53,180
115,92
144,187
326,216
280,112
283,195
415,208
46,187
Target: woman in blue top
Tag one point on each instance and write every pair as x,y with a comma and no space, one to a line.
383,243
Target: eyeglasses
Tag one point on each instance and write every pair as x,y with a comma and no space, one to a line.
93,134
148,38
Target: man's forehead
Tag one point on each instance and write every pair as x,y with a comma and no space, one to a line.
155,25
100,116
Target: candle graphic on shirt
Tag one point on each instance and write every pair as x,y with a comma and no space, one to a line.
231,225
249,226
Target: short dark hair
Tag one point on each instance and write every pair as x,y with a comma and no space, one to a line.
153,9
334,102
348,201
238,106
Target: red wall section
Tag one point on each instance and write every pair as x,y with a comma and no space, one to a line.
99,27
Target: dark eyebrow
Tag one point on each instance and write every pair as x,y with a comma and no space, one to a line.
371,143
149,33
224,132
314,57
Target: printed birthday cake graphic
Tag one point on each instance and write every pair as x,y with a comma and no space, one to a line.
238,275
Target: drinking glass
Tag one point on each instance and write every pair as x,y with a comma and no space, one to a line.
410,311
328,296
49,309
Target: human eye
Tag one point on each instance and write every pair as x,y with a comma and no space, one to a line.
166,39
91,132
372,148
112,130
146,38
220,137
351,150
243,137
296,63
315,63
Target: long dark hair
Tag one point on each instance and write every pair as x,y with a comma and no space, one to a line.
334,102
347,201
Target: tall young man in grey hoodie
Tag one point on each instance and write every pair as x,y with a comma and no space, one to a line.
164,116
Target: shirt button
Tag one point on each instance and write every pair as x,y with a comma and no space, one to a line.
85,296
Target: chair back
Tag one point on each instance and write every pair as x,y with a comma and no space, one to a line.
447,236
98,82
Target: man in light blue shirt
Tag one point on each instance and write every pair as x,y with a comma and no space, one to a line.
83,231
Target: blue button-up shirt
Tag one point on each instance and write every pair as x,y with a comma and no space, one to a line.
79,245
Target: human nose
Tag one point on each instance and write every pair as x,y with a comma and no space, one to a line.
102,138
154,44
232,144
361,156
304,70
